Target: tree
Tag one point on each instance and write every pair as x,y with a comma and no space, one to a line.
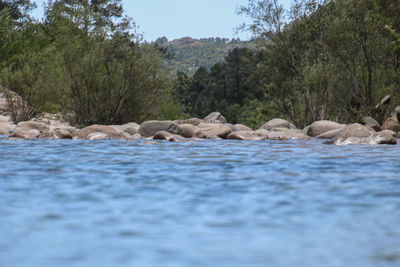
103,74
17,9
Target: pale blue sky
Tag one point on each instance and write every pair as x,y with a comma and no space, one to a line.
180,18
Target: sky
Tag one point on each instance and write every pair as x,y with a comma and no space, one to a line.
181,18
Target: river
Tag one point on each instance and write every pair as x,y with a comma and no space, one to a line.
201,203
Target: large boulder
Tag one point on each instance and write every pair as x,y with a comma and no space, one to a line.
97,136
213,131
215,117
277,123
248,135
386,137
188,130
357,134
287,134
34,125
370,122
320,127
3,130
150,128
391,124
108,131
62,134
193,121
330,134
241,127
128,127
354,130
163,135
69,129
25,134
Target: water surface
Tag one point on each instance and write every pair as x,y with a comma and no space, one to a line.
208,203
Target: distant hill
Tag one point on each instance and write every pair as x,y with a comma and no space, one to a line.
190,54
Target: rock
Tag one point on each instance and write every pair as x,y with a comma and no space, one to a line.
287,134
277,123
396,113
68,129
193,121
330,134
34,125
110,132
62,134
354,130
3,130
135,137
320,127
215,117
391,124
248,135
241,127
163,135
188,130
150,128
386,137
97,136
124,127
213,131
357,134
369,122
132,130
5,119
25,134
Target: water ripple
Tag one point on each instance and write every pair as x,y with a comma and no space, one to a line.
209,203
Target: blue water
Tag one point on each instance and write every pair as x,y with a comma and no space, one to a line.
209,203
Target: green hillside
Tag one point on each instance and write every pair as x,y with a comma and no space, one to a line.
190,54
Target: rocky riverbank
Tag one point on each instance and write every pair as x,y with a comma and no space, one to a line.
214,126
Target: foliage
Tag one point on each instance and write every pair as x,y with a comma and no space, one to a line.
227,87
190,54
84,61
324,59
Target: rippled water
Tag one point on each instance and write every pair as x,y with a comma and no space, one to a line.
209,203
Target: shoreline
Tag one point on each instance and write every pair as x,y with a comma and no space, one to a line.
212,127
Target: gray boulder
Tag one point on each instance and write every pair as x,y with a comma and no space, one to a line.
110,132
354,130
150,128
320,127
215,117
330,134
248,135
391,124
124,127
241,127
97,136
213,131
188,130
277,123
357,134
25,134
62,134
193,121
3,130
287,134
369,122
386,137
163,135
34,125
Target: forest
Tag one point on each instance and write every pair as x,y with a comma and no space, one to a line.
319,60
